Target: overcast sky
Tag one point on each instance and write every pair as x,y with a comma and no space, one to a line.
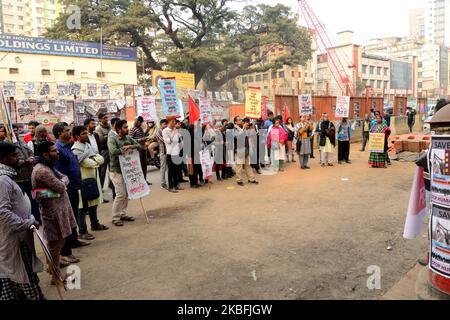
367,18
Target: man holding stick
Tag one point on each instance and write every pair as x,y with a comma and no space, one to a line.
18,262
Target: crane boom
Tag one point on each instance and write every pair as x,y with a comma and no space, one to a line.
324,44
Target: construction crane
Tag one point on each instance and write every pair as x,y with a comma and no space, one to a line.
325,45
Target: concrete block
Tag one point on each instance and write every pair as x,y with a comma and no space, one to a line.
398,145
414,146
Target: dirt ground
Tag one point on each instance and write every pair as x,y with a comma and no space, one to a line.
298,235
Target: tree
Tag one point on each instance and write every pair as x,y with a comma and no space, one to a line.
204,37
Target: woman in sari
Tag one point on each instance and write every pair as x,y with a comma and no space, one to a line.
276,142
378,160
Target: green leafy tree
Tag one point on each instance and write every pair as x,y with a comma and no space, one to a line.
204,37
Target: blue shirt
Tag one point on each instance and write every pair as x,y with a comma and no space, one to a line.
268,124
68,165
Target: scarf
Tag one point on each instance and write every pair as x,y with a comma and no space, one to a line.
7,171
83,151
49,163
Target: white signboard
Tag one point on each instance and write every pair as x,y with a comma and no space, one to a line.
130,165
146,107
206,111
342,107
205,159
305,105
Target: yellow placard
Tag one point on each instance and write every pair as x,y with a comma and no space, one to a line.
253,103
376,142
185,81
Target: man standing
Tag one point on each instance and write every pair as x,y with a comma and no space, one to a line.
50,190
24,170
172,142
40,135
120,144
103,129
94,138
32,125
317,132
411,114
162,152
242,151
18,262
67,164
366,125
2,134
89,161
309,120
138,134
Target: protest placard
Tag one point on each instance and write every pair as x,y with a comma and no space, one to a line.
130,165
146,108
253,99
205,159
206,111
305,105
169,95
376,142
342,107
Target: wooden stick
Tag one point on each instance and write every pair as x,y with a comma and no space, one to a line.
143,211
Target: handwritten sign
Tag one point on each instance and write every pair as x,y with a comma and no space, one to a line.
253,103
146,107
376,142
342,107
205,160
169,94
305,104
130,165
206,111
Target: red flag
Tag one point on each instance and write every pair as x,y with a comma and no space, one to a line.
194,112
417,208
264,108
286,113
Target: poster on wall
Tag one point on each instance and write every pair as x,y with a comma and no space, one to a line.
230,96
79,107
45,89
342,107
91,90
63,89
9,89
253,99
47,119
139,91
128,90
224,96
440,171
305,104
111,106
75,89
205,107
217,96
133,176
440,240
29,89
105,91
169,95
60,106
42,105
23,107
146,108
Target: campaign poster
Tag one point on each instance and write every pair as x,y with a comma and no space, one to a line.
139,91
133,176
45,89
42,105
205,107
342,107
60,106
230,96
111,106
63,89
217,96
440,170
79,106
105,90
9,89
146,108
169,95
440,241
75,89
253,99
91,90
29,89
305,104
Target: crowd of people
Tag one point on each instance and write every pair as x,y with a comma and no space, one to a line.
55,180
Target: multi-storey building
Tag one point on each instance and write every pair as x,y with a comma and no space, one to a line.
438,22
28,17
417,23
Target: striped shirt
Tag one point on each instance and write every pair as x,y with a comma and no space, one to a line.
137,133
160,139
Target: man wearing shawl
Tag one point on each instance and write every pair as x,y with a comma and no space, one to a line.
90,161
378,160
